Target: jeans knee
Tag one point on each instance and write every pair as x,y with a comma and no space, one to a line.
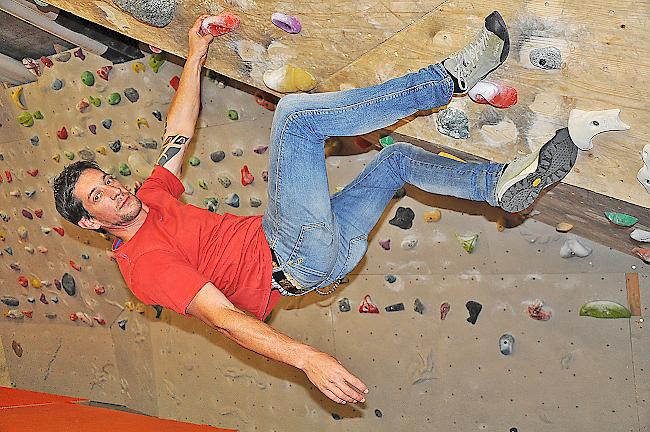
289,104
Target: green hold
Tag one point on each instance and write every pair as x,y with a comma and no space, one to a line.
69,154
621,219
114,98
38,115
124,169
212,204
468,242
25,119
386,141
87,78
194,161
156,60
95,101
203,184
233,115
604,309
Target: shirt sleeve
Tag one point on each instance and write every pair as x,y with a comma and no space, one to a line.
161,179
166,279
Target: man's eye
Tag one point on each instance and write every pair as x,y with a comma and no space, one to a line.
97,197
109,180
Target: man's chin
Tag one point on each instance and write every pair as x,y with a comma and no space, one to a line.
133,213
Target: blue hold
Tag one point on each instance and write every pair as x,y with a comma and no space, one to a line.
57,84
232,200
107,123
9,250
34,140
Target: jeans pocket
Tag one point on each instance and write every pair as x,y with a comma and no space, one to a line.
356,251
313,254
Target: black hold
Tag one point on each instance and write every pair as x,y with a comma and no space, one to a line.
122,324
132,94
390,278
158,309
54,299
157,114
418,306
335,416
378,413
10,301
344,305
513,429
217,156
69,285
403,218
115,146
2,157
395,307
31,300
399,193
474,309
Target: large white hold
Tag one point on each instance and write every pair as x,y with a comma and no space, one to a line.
573,248
644,173
584,125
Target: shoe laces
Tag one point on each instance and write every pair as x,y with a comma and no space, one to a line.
467,58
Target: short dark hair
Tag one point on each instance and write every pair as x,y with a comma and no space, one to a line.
68,205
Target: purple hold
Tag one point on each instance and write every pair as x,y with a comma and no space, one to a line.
93,129
288,23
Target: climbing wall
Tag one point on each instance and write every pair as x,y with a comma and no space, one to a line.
424,373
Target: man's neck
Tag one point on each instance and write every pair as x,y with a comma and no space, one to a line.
126,232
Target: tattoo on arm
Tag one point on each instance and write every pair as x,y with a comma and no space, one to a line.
171,147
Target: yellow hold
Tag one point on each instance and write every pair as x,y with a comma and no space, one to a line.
56,158
138,67
36,283
432,216
141,121
289,79
101,150
16,94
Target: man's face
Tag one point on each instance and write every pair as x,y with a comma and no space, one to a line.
106,199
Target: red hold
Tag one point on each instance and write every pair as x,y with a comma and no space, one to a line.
74,317
99,320
8,175
99,290
174,82
28,314
46,62
38,213
75,266
32,172
22,280
103,71
219,25
536,311
367,306
261,101
246,176
62,133
59,230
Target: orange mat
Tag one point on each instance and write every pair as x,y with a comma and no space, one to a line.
11,397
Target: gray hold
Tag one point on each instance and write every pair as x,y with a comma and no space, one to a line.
57,84
87,155
506,344
157,13
217,156
132,94
255,202
454,123
107,123
34,140
149,143
225,181
418,306
403,218
546,58
69,285
10,301
232,200
344,305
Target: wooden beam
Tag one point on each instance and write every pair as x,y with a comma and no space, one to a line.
633,294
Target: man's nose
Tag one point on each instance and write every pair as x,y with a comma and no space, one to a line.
114,192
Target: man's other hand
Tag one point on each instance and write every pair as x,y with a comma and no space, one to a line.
331,378
198,42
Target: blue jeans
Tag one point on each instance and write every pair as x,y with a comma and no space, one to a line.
319,238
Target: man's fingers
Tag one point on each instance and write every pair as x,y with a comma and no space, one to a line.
339,393
350,392
332,396
356,382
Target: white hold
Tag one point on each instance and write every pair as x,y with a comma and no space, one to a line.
584,125
640,235
409,244
644,172
573,248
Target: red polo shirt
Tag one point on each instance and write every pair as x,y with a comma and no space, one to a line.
180,248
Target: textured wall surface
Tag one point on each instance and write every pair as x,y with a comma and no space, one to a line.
568,373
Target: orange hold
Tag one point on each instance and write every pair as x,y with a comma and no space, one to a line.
261,101
59,230
219,25
74,317
32,172
28,314
22,280
246,176
75,266
8,175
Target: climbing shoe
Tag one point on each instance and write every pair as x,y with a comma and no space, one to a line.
524,178
481,56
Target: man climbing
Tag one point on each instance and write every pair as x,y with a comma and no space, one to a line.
214,267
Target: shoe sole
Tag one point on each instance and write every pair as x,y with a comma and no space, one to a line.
554,161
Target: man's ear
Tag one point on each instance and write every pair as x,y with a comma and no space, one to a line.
89,223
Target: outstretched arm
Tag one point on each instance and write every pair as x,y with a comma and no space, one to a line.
323,370
184,109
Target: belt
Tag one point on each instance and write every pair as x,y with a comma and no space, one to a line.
281,282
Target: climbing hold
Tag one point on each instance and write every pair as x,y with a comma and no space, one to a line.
432,216
546,58
255,202
85,256
103,72
54,299
212,204
10,301
157,114
114,98
37,115
63,57
95,101
32,66
59,230
454,123
138,67
46,62
225,181
604,309
260,99
9,250
385,244
22,232
246,176
15,314
474,310
506,344
83,105
107,123
621,219
174,82
156,61
418,306
386,141
403,218
573,248
75,266
62,133
149,143
158,309
41,249
563,227
25,119
232,200
80,54
122,323
288,23
124,169
26,213
99,290
399,193
22,281
17,348
43,299
202,184
34,140
93,129
38,213
233,115
642,253
644,173
395,307
217,156
260,149
17,97
265,175
29,249
115,146
468,241
141,121
289,79
86,154
132,94
390,278
32,172
76,131
409,244
584,125
68,283
444,310
4,216
497,95
536,311
640,235
367,305
220,24
194,161
56,85
344,305
237,152
69,155
88,78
